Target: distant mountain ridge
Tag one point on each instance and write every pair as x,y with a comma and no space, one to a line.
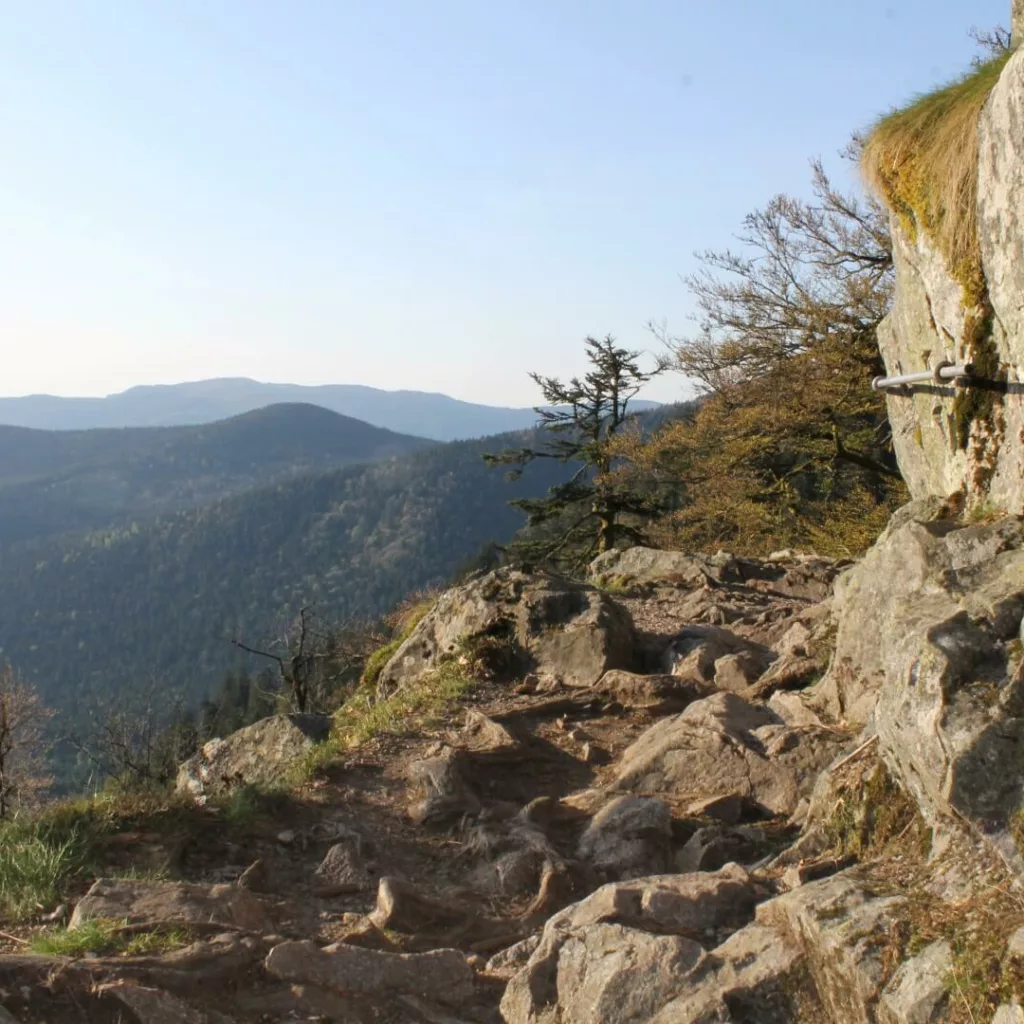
59,481
420,413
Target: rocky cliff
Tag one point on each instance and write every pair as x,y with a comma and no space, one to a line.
951,168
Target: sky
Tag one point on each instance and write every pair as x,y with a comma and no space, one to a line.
441,195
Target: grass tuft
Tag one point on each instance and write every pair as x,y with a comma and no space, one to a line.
362,718
923,160
37,862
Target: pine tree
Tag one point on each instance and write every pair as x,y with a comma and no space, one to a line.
592,512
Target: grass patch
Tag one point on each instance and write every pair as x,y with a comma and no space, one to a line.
45,857
247,804
362,718
108,938
37,864
924,161
872,816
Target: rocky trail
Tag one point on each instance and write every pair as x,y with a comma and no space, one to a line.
651,799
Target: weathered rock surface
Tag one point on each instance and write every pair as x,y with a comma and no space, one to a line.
442,974
842,929
629,837
928,324
723,745
660,694
627,950
712,654
919,990
517,623
260,753
439,789
171,903
152,1006
943,676
343,869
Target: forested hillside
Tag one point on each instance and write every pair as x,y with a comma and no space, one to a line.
117,608
56,481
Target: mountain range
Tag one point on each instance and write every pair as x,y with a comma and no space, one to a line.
419,413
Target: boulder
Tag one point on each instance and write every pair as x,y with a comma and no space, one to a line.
918,991
342,870
603,974
627,950
659,694
517,623
171,903
442,974
724,744
843,928
944,673
647,565
757,975
258,754
629,837
700,653
440,791
152,1006
482,736
510,961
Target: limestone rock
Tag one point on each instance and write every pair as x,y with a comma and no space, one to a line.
627,950
843,928
171,903
442,974
755,975
918,990
660,694
483,736
259,753
629,837
1009,1013
724,744
152,1006
511,960
604,974
342,870
698,651
551,627
928,319
645,565
944,670
440,790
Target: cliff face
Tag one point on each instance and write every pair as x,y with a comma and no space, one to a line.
950,439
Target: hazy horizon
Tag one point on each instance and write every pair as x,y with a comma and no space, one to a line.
274,383
437,197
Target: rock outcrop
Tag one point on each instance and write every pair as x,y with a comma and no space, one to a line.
260,754
950,440
509,623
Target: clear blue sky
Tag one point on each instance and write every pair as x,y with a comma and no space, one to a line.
429,194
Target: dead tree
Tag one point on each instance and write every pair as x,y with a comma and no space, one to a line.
313,662
23,719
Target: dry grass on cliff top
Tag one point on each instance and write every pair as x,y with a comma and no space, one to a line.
923,160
